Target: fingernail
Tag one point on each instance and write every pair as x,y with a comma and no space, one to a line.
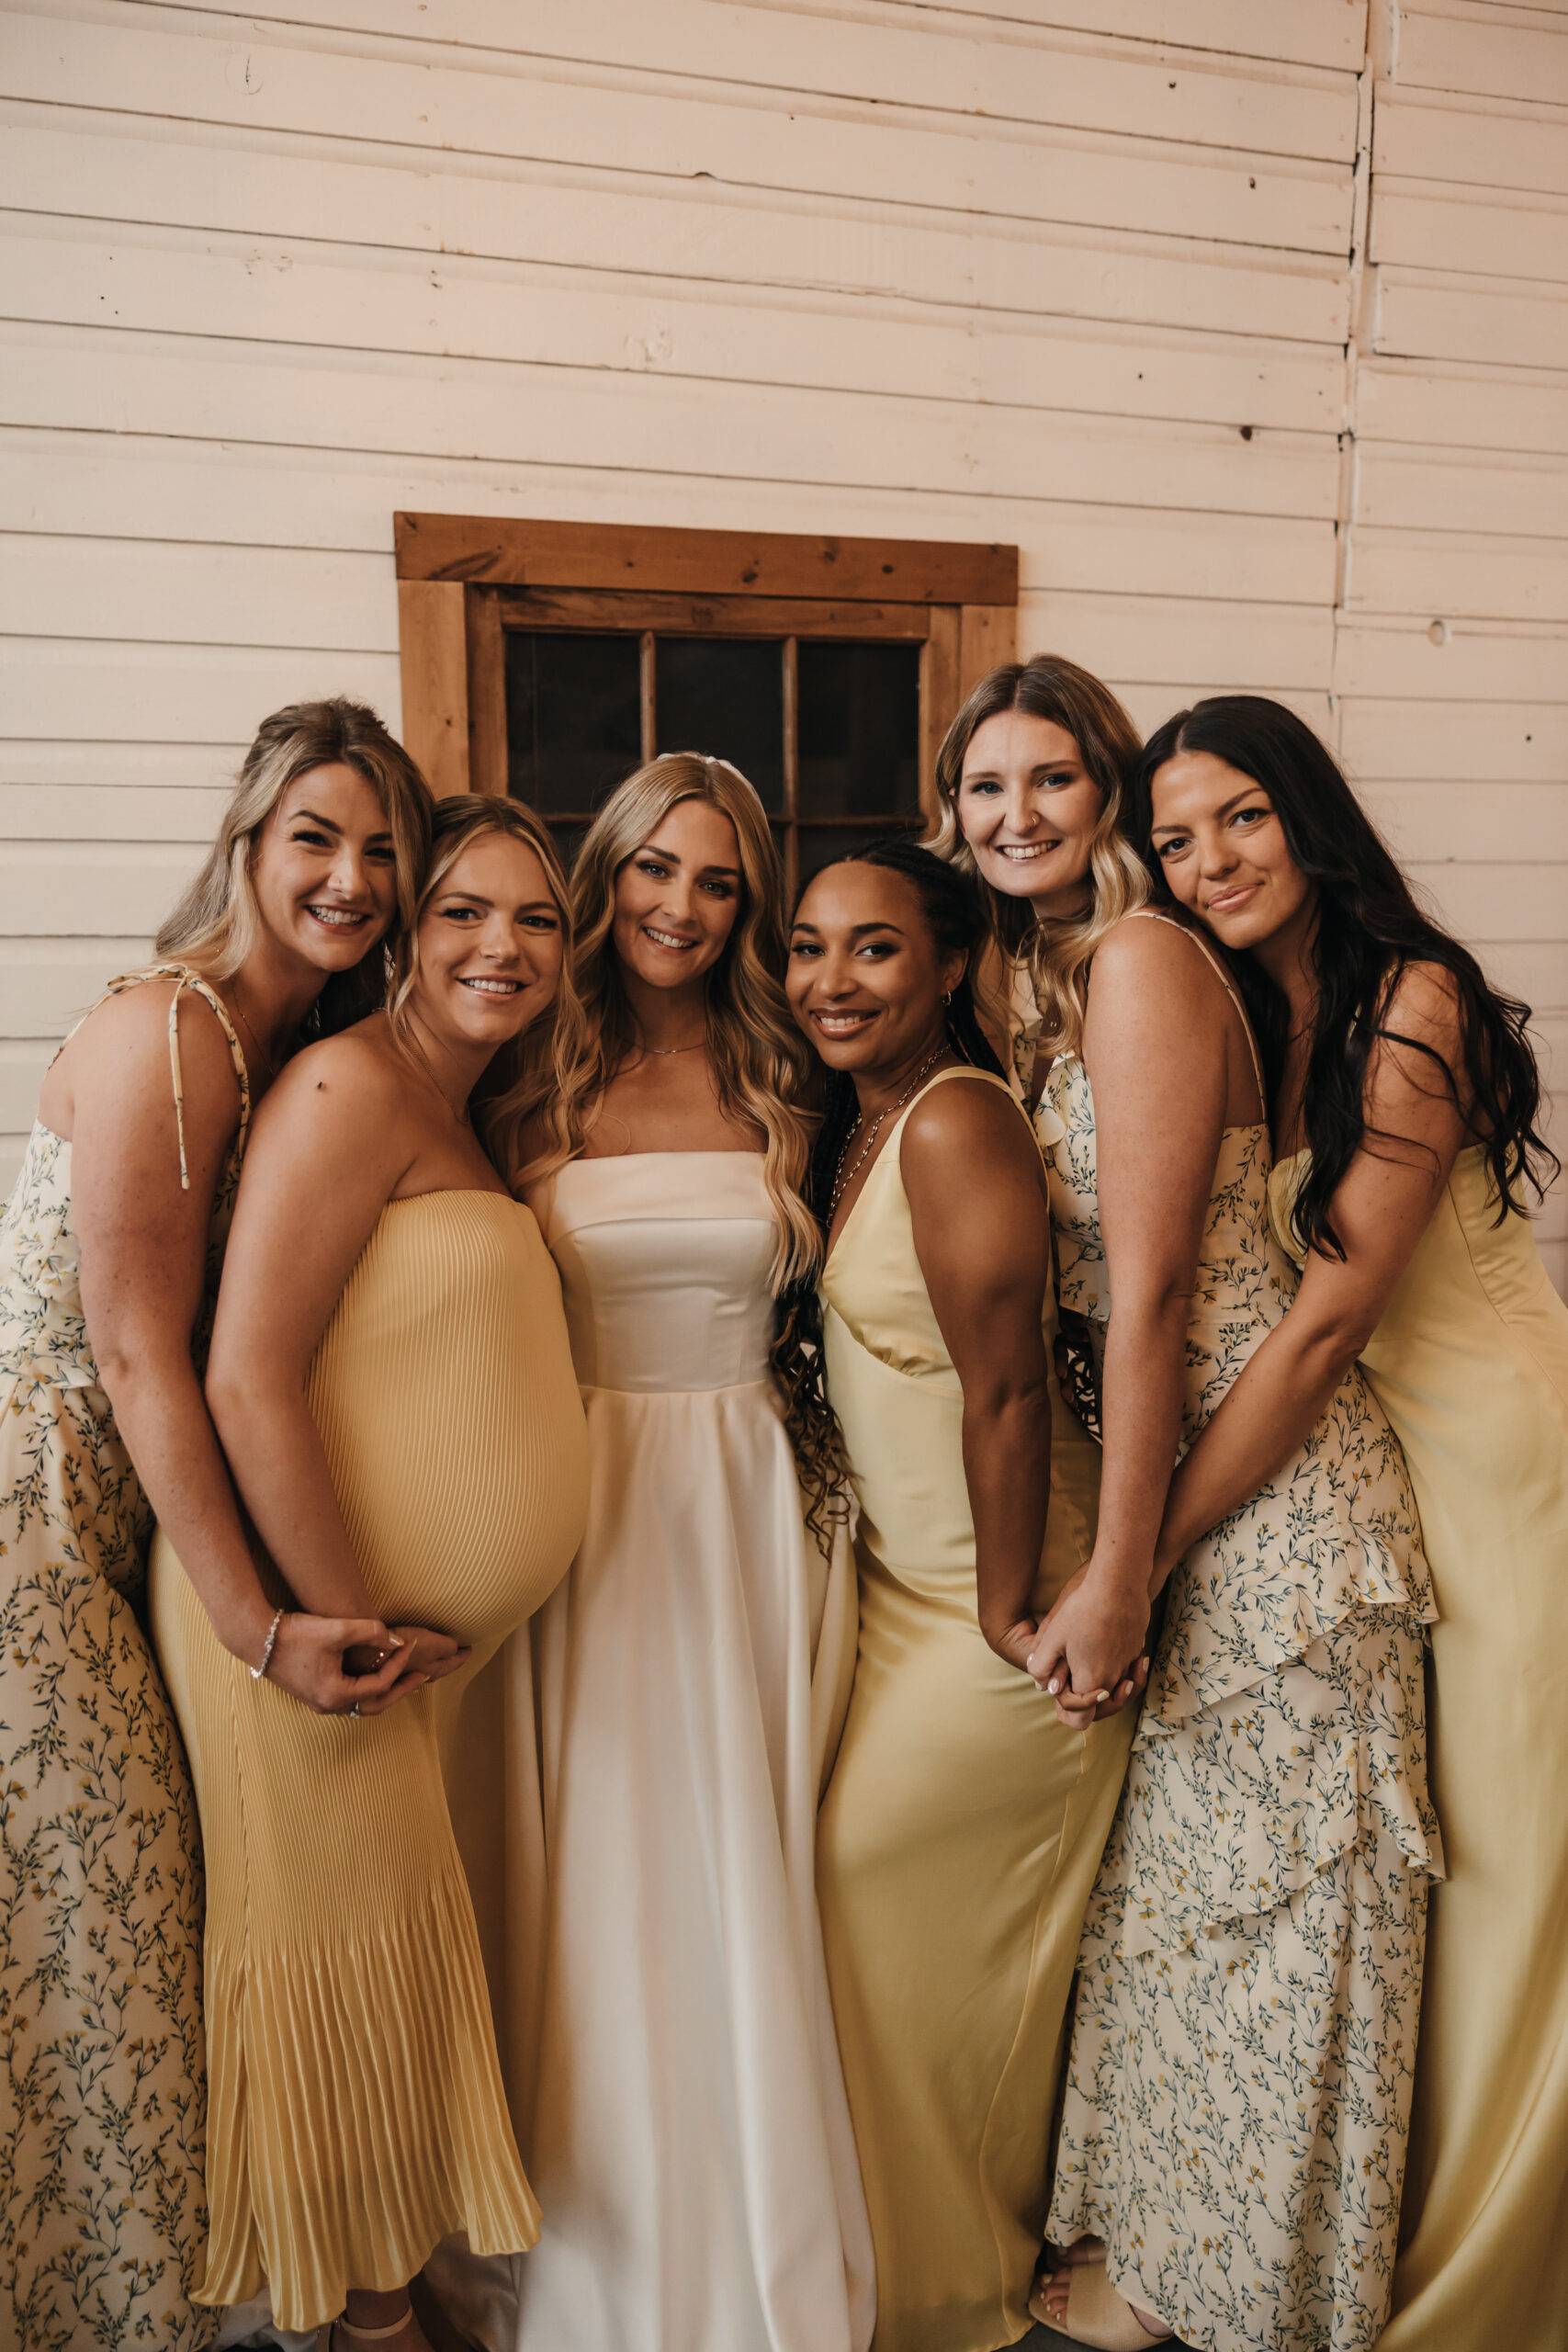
1143,1666
1054,1685
1101,1695
394,1642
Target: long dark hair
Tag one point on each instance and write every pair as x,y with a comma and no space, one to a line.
1369,928
954,915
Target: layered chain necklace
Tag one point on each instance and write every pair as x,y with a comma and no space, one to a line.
844,1177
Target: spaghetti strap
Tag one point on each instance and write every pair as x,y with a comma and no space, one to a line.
1207,953
184,978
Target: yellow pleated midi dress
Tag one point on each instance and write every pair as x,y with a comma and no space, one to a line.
355,2112
1469,1362
963,1824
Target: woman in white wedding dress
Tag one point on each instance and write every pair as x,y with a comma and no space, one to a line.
689,2137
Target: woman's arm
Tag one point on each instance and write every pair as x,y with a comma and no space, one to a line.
330,1144
1155,1049
982,1231
1379,1212
143,1241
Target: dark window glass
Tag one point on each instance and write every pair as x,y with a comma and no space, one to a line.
573,716
860,730
821,844
724,696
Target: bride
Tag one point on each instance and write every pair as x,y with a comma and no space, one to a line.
686,2125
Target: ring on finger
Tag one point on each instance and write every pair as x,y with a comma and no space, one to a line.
355,1713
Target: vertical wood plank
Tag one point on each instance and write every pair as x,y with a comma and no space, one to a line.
987,636
487,693
647,682
939,698
790,656
434,661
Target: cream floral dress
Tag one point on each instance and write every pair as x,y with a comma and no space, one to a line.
1239,2079
102,2079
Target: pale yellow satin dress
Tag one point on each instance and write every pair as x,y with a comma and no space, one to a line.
1469,1362
356,2111
963,1824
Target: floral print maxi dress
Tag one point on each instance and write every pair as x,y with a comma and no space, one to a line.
103,2212
1239,2079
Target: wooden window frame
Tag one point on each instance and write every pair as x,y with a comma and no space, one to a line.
464,579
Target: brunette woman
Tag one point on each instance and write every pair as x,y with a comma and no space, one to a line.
963,1824
1235,2114
391,1382
1405,1101
689,2135
109,1254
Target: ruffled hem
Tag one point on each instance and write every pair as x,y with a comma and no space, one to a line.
1294,1567
356,2115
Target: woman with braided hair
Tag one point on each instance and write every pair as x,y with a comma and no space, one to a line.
963,1824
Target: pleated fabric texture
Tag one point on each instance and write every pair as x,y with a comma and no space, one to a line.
962,1826
356,2114
1471,1364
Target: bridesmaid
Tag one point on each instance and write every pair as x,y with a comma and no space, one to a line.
964,1823
1405,1101
689,2134
109,1254
1234,2117
391,1382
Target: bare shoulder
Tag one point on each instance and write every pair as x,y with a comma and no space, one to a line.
1425,1003
963,1121
1144,952
118,1058
356,1079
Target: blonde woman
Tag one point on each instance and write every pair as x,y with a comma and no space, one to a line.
690,2136
391,1381
109,1254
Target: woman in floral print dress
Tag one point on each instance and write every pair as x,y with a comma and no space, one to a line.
1237,2103
110,1252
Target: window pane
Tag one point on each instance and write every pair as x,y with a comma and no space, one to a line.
573,716
860,730
724,696
821,844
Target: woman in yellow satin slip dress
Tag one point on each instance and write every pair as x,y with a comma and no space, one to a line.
391,1381
963,1824
1405,1097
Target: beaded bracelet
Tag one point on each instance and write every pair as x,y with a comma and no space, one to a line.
257,1671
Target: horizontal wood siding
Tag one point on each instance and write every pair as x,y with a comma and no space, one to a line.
1255,350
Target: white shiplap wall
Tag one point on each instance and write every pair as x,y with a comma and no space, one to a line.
1094,276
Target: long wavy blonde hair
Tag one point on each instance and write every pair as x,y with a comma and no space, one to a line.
1058,954
527,1074
762,1068
215,926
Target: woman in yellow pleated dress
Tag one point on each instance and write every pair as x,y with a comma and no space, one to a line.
1405,1102
963,1824
392,1383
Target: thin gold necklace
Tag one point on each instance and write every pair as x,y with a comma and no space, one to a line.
842,1179
255,1041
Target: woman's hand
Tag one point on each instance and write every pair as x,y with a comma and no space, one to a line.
315,1660
1014,1641
1091,1656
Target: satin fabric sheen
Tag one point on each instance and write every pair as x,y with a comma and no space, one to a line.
963,1824
672,2066
1469,1362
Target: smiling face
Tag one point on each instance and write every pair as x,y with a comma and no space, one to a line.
490,943
865,981
1224,852
677,897
323,869
1028,808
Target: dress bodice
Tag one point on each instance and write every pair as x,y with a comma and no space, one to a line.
664,1261
43,1331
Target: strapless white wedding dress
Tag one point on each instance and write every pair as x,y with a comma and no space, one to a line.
689,2139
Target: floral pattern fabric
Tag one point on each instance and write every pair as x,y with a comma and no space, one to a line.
1240,2071
102,2077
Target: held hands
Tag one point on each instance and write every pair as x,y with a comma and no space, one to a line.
336,1666
1080,1658
1013,1642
